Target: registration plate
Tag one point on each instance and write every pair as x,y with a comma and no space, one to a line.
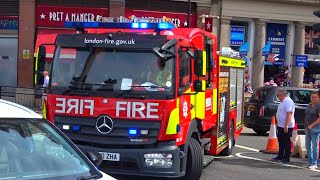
110,156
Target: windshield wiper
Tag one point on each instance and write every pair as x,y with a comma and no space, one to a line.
150,86
87,177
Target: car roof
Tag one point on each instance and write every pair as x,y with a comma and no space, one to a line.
14,110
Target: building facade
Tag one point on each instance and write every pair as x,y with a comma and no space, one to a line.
284,23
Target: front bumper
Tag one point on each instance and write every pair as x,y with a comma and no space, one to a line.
132,161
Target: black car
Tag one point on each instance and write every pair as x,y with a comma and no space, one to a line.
263,105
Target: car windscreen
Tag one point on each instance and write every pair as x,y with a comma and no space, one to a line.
32,148
260,94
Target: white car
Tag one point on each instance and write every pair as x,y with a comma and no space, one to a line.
33,148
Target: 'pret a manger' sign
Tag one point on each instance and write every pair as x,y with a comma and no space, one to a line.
56,16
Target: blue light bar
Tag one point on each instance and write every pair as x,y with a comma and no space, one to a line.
120,25
133,131
75,128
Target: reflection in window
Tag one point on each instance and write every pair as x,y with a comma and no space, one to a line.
184,74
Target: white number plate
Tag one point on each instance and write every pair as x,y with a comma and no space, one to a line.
110,156
248,113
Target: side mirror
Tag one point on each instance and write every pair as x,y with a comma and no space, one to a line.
41,58
170,43
200,58
199,85
156,50
95,158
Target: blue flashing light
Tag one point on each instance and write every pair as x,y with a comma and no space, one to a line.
144,25
165,25
133,131
135,25
121,25
75,128
178,128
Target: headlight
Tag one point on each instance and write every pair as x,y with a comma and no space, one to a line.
158,160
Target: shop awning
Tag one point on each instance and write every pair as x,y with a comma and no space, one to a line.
48,36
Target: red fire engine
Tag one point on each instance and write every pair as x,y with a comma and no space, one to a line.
152,99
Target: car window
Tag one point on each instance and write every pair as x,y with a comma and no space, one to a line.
302,96
260,95
34,149
276,99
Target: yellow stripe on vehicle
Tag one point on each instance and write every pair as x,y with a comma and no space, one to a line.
204,69
231,62
44,110
200,105
215,101
173,119
36,67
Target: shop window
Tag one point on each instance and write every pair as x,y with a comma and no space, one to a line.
184,70
8,60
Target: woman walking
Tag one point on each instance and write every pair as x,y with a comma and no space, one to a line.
312,129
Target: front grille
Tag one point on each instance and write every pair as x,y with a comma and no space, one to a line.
88,135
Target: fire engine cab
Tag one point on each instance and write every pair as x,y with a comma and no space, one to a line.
153,99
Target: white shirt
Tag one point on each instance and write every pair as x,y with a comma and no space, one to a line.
46,81
287,105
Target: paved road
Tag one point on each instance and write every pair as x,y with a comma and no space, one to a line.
248,163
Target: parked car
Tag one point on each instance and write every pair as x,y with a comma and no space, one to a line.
263,105
33,148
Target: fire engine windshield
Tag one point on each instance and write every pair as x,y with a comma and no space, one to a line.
105,69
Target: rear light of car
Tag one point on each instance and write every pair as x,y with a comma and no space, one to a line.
261,112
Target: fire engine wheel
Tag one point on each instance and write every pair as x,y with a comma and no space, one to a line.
194,161
228,150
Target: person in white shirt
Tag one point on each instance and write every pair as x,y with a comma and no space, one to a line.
285,125
45,85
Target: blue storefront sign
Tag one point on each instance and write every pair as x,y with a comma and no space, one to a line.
243,50
9,22
276,35
301,61
236,35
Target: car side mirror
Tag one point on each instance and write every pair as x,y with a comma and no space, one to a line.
95,158
199,85
200,68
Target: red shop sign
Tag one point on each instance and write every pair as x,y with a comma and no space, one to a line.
179,19
55,16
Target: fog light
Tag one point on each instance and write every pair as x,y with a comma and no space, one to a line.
158,160
144,132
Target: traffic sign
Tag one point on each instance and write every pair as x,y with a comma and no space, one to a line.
301,60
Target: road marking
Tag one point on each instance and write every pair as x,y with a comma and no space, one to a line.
223,157
247,148
263,160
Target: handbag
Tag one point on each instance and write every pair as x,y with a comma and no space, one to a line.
315,129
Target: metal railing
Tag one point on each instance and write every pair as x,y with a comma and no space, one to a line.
29,97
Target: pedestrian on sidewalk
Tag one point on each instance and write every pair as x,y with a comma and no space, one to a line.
312,130
45,87
285,124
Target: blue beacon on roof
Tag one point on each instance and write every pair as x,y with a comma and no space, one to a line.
121,25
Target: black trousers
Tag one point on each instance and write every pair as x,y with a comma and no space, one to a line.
284,143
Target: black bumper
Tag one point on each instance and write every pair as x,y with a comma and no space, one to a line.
132,161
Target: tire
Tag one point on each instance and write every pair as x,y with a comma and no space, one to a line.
228,150
260,132
194,161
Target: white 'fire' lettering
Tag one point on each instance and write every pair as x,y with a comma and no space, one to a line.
78,105
136,109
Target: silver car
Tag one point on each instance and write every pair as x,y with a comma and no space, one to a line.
33,148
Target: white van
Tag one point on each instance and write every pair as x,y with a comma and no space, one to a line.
33,148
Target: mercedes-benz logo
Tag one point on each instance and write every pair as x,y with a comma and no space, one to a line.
104,124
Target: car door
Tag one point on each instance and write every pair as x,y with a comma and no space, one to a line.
301,100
